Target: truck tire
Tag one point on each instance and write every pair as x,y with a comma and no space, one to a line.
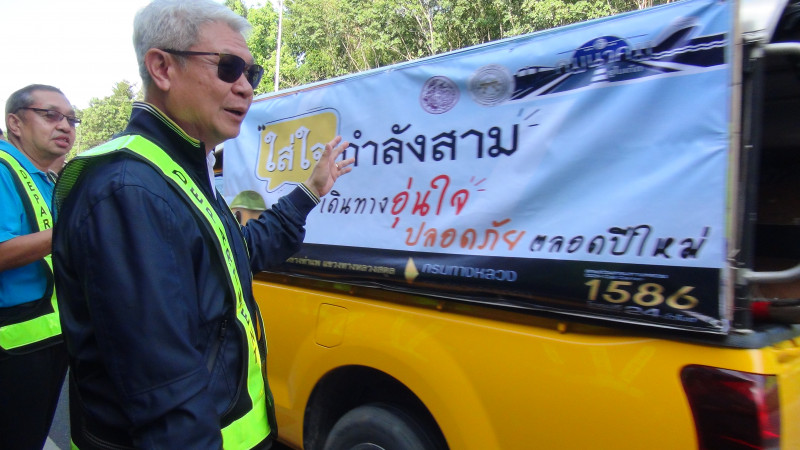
380,426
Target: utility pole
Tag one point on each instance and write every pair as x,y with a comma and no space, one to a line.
278,51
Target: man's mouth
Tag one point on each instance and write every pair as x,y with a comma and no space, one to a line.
236,112
63,141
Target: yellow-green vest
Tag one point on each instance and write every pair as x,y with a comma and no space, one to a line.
42,327
254,426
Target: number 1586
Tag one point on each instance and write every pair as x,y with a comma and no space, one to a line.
644,294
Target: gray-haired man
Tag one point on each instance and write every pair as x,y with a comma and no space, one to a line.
153,272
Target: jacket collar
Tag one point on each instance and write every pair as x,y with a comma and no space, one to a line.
149,121
190,153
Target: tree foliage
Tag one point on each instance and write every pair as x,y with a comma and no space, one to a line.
104,117
328,38
237,6
322,39
263,42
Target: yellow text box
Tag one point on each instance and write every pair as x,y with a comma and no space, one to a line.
290,148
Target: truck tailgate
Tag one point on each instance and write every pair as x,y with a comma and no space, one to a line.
787,366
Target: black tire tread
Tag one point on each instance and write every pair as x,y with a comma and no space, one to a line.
379,426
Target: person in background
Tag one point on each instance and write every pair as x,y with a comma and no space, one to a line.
2,136
56,167
33,361
153,272
247,205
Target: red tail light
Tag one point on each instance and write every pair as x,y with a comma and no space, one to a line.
733,410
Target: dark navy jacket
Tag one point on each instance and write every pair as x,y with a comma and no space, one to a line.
143,294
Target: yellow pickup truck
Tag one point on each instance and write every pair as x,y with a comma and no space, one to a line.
582,238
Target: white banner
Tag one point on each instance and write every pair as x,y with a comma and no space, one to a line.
603,142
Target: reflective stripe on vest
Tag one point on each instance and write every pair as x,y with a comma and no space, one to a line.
17,336
253,427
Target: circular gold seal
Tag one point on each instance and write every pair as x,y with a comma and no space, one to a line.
491,85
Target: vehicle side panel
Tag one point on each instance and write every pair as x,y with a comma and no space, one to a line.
496,379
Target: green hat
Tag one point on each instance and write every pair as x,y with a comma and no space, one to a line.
249,200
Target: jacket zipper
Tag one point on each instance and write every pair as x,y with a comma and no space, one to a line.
212,357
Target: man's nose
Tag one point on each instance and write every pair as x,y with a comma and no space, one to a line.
64,124
242,87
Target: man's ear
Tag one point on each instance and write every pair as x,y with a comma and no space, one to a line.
160,66
13,124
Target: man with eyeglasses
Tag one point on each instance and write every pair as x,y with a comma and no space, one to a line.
152,269
33,361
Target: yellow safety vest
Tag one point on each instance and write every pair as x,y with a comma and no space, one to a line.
42,328
254,426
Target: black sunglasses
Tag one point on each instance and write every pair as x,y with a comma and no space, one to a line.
53,116
229,68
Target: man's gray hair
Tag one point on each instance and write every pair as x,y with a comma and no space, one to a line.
23,98
175,24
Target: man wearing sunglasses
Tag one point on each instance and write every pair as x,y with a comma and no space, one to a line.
33,361
153,271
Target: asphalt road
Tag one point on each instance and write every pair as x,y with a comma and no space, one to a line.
59,430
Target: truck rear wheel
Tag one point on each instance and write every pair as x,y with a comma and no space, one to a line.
380,426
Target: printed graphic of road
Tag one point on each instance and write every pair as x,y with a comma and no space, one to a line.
612,59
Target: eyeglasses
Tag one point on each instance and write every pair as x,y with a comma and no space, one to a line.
229,68
54,116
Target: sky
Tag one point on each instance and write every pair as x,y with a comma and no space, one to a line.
83,47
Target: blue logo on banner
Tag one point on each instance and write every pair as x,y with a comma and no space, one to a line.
612,59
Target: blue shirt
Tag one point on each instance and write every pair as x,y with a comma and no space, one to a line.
27,283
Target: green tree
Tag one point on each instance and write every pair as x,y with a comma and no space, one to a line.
238,7
545,14
327,38
323,39
263,42
104,117
316,32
